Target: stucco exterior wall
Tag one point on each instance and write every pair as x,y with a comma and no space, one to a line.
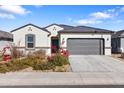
122,44
106,37
54,30
41,38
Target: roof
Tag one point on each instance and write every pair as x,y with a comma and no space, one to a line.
71,29
85,29
31,25
5,35
66,27
118,34
80,29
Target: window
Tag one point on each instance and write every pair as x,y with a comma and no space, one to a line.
30,40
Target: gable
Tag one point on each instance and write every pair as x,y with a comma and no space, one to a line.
19,35
29,28
53,29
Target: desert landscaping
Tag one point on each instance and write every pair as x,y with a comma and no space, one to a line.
35,61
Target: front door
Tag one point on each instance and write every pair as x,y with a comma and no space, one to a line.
54,44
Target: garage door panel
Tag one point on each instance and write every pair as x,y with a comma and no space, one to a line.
85,46
85,52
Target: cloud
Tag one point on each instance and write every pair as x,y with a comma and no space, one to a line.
115,11
38,6
88,21
15,9
101,15
94,18
8,16
9,11
111,10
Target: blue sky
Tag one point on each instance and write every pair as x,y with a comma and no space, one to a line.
109,17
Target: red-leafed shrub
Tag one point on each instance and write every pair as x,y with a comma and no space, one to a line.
64,52
50,58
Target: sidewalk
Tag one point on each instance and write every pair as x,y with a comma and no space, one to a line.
63,79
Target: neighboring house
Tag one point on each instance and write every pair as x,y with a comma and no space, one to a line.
5,39
118,42
76,39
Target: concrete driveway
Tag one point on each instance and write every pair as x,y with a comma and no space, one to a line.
95,63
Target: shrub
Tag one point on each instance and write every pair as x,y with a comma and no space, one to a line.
1,57
3,68
16,65
64,52
50,58
40,54
43,66
59,60
16,53
37,60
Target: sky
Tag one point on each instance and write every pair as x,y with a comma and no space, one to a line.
109,17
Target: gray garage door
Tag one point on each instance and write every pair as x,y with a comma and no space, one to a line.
85,46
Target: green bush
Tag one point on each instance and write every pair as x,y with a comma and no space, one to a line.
43,66
60,60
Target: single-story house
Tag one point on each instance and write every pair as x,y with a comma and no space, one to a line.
78,40
118,42
6,39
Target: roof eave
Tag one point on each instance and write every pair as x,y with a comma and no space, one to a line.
85,32
31,25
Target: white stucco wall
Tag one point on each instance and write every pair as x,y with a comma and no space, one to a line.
44,41
122,43
106,37
41,37
54,30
